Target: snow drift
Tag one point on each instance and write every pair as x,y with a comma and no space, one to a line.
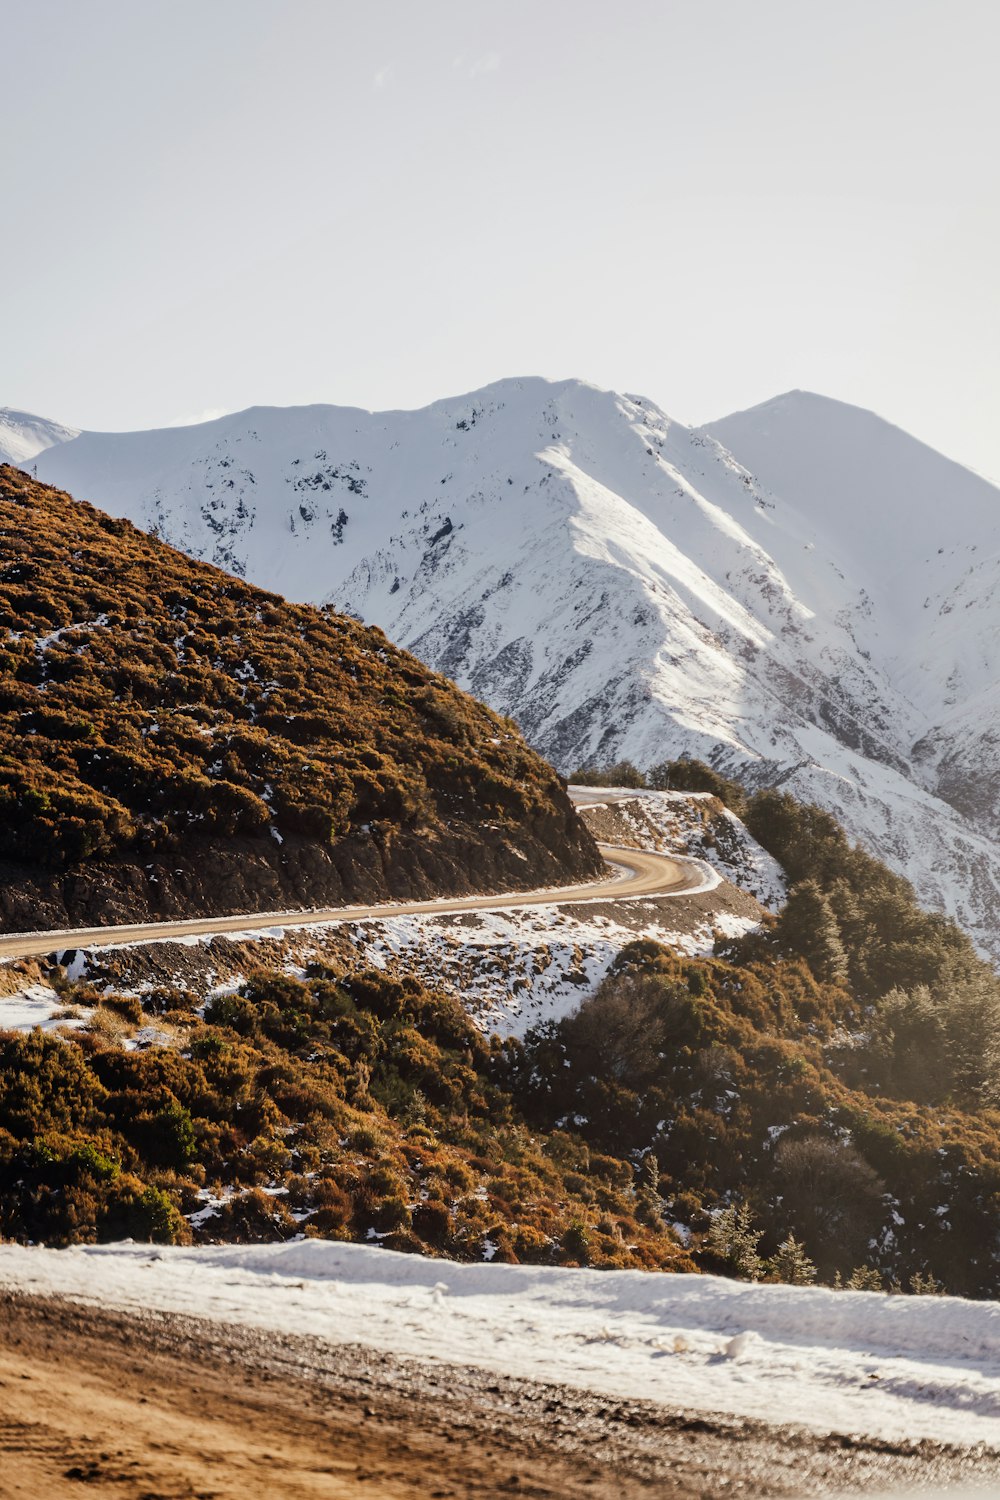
860,1362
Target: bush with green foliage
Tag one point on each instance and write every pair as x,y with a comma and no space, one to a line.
363,1105
756,1088
687,775
623,774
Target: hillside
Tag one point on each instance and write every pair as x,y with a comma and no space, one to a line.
801,594
173,740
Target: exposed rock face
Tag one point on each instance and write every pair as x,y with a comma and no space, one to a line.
216,878
801,594
173,741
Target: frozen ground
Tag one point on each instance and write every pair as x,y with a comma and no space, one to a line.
514,970
861,1362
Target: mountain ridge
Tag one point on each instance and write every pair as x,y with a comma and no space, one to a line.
23,436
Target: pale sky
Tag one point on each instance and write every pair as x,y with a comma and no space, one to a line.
211,204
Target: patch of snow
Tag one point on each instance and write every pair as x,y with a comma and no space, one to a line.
211,1205
37,1007
148,1036
516,969
76,969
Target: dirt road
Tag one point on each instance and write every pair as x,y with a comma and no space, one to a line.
634,874
167,1408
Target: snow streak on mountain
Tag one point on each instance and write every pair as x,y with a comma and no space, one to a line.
800,593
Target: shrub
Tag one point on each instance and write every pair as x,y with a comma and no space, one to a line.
623,773
736,1095
694,776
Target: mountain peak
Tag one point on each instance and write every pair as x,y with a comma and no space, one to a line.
839,463
802,405
23,436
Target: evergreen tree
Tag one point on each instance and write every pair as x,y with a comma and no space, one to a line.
808,927
732,1237
791,1263
865,1279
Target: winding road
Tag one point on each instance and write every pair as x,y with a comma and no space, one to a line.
638,873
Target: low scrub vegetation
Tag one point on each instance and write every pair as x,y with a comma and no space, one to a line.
150,704
347,1106
735,1115
830,1084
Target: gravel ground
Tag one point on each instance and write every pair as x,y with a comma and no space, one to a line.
166,1408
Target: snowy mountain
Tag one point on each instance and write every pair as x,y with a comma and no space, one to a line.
800,593
23,437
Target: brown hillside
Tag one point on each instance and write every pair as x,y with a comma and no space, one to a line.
174,741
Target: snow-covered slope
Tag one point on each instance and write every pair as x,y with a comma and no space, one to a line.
23,437
800,593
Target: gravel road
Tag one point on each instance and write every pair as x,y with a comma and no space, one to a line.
167,1408
632,873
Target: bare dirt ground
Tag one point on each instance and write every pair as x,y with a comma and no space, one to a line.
166,1408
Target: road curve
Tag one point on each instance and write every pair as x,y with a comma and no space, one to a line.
638,873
